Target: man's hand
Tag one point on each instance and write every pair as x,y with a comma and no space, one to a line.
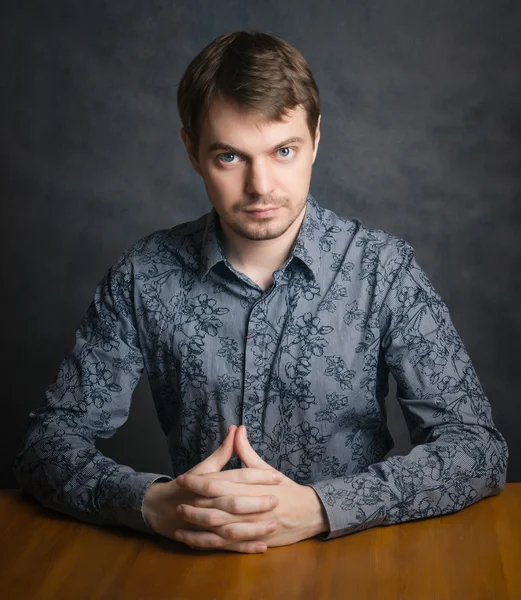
298,515
163,498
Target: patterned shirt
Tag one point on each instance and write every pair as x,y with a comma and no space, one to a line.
304,365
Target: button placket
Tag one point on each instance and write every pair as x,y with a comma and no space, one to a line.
255,369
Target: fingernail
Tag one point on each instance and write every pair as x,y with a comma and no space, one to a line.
244,433
261,548
271,527
178,535
278,476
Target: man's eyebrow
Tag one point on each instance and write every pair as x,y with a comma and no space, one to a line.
218,145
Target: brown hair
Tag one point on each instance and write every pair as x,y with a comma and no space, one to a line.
258,71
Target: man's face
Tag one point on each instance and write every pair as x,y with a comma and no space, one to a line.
257,173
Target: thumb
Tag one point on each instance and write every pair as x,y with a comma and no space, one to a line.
217,460
246,453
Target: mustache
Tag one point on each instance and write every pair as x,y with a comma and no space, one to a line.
266,201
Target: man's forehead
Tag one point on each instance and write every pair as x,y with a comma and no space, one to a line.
226,119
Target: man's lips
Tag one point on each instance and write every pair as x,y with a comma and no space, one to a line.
263,212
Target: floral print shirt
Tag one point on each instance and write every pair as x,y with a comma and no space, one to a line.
304,365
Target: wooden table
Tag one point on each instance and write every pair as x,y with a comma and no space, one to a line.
473,554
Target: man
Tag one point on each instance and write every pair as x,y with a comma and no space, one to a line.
268,329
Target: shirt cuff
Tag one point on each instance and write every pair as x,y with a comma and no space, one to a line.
130,513
341,521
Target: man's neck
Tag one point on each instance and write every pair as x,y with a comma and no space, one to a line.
259,259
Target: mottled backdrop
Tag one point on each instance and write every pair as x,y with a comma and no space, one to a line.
421,136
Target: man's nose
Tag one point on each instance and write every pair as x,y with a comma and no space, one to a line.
260,179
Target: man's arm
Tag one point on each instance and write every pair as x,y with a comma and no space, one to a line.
460,457
58,463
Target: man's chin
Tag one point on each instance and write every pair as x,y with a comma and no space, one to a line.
261,229
260,235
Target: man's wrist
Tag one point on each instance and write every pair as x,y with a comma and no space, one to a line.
152,501
318,521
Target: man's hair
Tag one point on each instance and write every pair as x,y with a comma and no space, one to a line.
259,72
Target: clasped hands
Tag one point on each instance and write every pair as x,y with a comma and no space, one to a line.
242,510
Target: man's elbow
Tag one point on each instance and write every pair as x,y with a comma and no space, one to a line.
23,468
497,463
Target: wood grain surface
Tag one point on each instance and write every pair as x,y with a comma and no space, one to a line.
472,554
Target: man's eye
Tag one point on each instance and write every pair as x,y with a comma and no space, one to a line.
227,157
286,152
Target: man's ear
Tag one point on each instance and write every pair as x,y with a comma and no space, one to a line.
190,151
317,138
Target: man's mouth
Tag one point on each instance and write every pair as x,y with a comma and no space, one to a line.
263,212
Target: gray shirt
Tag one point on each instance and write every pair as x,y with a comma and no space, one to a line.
304,365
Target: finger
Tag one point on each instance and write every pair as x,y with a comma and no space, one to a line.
245,505
219,458
211,487
206,486
246,547
246,453
222,536
244,531
207,539
249,547
235,504
206,518
228,510
249,475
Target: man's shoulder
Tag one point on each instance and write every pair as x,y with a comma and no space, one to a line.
179,244
387,245
351,237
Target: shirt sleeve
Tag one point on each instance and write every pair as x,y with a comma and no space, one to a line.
90,398
459,456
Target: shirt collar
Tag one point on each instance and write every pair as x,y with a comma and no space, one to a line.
306,248
211,249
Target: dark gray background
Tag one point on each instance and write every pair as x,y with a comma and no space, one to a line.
421,136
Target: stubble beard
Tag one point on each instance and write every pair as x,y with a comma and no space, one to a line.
273,226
